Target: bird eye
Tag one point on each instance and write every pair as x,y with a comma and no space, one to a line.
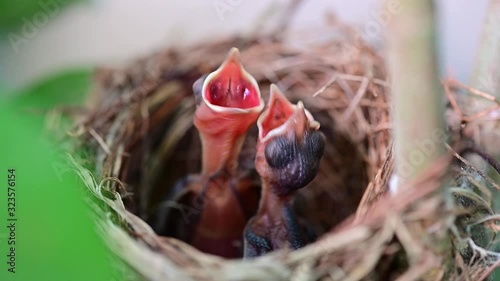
279,152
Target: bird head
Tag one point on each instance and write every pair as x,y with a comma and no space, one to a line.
289,147
229,103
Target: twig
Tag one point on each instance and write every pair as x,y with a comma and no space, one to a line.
490,270
463,266
359,78
473,90
288,14
494,163
456,107
99,140
327,85
357,98
492,182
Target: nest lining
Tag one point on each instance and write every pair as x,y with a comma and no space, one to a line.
140,126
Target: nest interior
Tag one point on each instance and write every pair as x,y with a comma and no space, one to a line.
140,137
162,145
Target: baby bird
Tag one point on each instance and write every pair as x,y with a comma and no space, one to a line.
217,203
289,151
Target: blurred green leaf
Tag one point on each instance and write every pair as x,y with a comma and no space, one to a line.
67,88
55,232
12,12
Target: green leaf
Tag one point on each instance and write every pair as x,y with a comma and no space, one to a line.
55,232
15,13
67,88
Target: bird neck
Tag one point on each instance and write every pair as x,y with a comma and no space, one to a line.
222,135
220,153
273,205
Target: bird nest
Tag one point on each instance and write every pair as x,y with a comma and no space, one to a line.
139,139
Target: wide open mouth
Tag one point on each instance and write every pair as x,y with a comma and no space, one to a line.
230,86
278,113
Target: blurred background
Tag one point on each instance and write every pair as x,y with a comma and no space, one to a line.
50,36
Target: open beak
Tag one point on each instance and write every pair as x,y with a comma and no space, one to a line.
230,104
290,146
281,117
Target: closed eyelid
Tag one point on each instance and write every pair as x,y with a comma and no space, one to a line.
279,152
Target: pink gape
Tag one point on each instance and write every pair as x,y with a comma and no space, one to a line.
221,199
